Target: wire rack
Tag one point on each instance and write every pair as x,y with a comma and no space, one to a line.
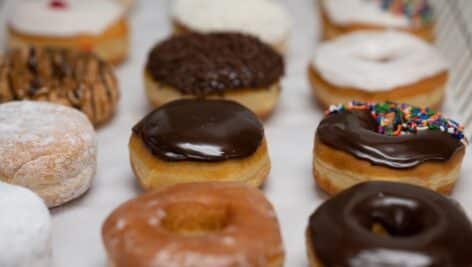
454,32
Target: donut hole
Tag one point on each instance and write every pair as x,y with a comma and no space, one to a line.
395,217
195,219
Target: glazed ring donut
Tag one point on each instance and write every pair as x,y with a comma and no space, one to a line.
25,228
389,224
78,80
223,66
48,148
199,141
265,19
187,225
92,26
360,142
341,17
378,66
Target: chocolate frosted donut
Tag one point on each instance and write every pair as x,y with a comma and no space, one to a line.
361,142
219,65
79,80
199,140
386,224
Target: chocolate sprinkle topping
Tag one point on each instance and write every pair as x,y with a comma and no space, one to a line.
204,64
201,130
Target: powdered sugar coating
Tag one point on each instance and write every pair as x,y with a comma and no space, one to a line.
48,148
25,228
265,19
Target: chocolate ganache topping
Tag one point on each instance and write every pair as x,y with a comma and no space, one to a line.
386,224
392,135
204,64
201,130
75,79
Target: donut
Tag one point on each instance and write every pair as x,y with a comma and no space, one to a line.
188,225
199,141
86,25
48,148
389,224
25,228
264,19
218,65
76,79
378,66
359,142
339,17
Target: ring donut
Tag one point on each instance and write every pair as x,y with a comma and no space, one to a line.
389,224
187,225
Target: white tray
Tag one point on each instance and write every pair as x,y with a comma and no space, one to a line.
77,226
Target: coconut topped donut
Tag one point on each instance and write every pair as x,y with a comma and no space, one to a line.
377,61
48,148
389,224
25,228
265,19
387,13
390,134
76,79
63,17
205,64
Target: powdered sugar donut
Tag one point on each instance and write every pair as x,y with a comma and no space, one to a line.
378,66
265,19
48,148
25,228
344,16
98,26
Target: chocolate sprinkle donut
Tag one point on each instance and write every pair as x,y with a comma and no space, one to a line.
385,224
201,130
76,79
204,64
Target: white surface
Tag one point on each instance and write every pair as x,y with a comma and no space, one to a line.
263,18
36,17
77,226
345,12
25,228
377,61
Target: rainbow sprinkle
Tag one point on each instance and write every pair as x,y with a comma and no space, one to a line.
419,12
400,119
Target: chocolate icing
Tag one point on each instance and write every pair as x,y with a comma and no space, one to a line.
79,80
355,132
204,64
201,130
424,229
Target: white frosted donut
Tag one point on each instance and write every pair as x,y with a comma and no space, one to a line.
48,148
25,228
63,17
265,19
345,12
377,61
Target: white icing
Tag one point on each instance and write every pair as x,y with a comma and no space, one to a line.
265,19
36,17
345,12
377,61
25,228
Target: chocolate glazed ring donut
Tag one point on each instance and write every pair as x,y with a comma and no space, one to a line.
387,141
74,79
384,224
231,66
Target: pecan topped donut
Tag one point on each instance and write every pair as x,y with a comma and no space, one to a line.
370,141
79,80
